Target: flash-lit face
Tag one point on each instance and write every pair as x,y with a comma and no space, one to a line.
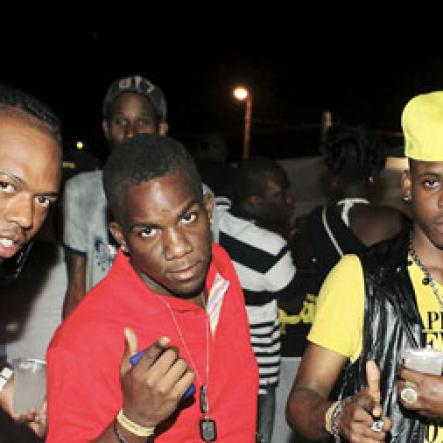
130,114
165,225
424,184
30,172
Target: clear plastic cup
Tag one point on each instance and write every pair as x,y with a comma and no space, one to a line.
29,384
424,360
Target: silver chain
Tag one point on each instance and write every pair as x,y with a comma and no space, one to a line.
204,384
428,280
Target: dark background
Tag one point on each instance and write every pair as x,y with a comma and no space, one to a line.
361,62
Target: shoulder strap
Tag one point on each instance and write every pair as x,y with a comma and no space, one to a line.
347,204
329,232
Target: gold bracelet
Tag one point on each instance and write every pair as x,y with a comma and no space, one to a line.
328,416
134,428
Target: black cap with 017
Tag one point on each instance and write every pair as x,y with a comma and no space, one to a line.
137,85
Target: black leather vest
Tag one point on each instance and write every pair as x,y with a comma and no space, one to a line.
391,323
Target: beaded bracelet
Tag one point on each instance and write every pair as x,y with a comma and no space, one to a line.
336,418
119,435
328,416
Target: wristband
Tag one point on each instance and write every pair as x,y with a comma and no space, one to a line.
328,416
134,428
5,375
335,420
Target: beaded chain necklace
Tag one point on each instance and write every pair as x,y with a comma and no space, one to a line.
427,280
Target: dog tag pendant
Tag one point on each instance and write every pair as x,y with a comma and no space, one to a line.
203,399
208,429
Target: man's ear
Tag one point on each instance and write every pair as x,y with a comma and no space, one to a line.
106,129
163,128
406,184
117,233
208,202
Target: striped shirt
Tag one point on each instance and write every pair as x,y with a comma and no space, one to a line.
266,272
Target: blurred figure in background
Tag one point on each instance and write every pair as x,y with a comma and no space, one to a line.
354,158
262,206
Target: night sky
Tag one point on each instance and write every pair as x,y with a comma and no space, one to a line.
362,63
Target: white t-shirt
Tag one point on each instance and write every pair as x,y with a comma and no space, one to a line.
86,226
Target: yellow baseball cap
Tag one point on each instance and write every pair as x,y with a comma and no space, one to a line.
422,123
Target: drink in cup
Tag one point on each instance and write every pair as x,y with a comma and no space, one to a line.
29,384
426,360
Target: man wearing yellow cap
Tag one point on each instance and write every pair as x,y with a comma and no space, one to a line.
373,306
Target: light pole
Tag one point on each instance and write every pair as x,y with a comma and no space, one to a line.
243,94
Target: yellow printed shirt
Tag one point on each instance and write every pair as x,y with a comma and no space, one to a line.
295,326
340,308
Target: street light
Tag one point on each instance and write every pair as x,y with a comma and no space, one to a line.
243,94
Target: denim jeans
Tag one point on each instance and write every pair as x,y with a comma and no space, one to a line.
265,415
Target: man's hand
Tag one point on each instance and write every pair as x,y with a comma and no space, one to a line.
36,420
429,392
360,413
153,388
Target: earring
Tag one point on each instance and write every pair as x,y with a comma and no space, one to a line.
407,199
124,248
371,179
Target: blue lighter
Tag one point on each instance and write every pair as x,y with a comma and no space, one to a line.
136,358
